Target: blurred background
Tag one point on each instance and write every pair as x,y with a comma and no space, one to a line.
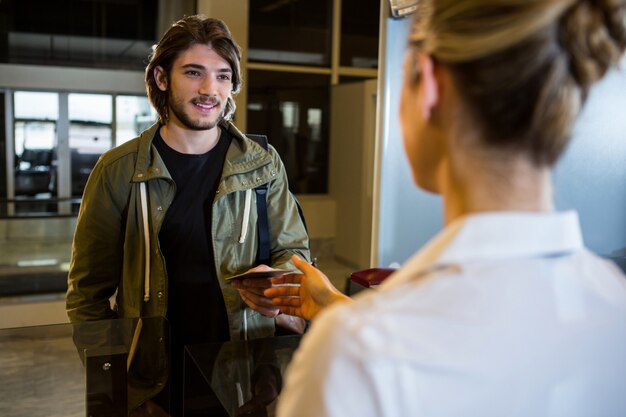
321,78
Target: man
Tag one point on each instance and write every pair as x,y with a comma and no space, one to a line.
166,217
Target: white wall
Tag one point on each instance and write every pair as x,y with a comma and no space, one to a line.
352,136
39,77
39,229
32,311
319,211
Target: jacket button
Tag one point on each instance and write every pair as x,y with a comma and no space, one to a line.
243,183
160,294
159,208
140,175
273,173
258,179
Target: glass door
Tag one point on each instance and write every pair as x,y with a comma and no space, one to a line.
34,129
90,134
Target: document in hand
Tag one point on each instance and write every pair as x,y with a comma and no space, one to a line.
262,274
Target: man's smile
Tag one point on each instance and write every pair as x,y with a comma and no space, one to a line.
205,105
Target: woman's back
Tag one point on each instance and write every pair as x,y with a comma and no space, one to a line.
501,315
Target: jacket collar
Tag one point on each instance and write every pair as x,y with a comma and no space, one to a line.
498,236
144,160
243,155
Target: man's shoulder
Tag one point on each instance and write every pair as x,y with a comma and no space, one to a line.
127,148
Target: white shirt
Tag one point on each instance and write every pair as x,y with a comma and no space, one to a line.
502,314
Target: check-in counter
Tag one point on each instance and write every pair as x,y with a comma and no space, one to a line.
101,368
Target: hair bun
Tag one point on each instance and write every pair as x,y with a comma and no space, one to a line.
593,32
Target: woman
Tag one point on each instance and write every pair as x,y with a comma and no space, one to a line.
504,313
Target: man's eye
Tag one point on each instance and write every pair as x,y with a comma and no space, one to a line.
224,77
193,73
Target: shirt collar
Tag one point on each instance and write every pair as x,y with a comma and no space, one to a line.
500,235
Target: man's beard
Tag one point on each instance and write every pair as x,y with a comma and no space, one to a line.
178,109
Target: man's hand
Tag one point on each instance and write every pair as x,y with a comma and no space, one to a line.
267,383
303,295
251,292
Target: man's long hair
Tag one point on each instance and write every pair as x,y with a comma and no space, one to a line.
186,32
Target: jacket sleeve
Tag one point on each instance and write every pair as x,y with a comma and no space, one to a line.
287,232
97,249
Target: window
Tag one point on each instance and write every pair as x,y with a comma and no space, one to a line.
292,110
359,33
290,32
94,33
291,69
53,151
133,115
91,116
35,120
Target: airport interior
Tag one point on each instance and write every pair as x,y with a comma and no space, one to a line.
319,80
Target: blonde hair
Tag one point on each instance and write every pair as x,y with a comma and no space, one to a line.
524,67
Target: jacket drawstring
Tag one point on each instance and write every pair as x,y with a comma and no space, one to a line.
146,239
245,323
242,238
246,216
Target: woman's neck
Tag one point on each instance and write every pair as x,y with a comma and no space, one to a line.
480,184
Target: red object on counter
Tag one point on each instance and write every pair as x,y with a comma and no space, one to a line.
371,277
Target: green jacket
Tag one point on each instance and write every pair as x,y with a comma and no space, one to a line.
113,250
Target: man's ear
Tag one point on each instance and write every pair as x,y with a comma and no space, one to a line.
430,85
160,77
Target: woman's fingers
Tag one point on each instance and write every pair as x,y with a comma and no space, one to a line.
287,302
282,291
287,279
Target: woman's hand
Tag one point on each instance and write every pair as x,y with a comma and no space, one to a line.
303,295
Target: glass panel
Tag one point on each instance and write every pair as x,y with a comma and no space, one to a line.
95,33
3,156
33,135
347,79
359,33
292,109
290,32
133,115
36,105
244,376
90,134
35,143
91,108
90,137
82,369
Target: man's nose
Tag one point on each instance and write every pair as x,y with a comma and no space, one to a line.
208,86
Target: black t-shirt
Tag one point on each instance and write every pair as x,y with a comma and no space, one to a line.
196,309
